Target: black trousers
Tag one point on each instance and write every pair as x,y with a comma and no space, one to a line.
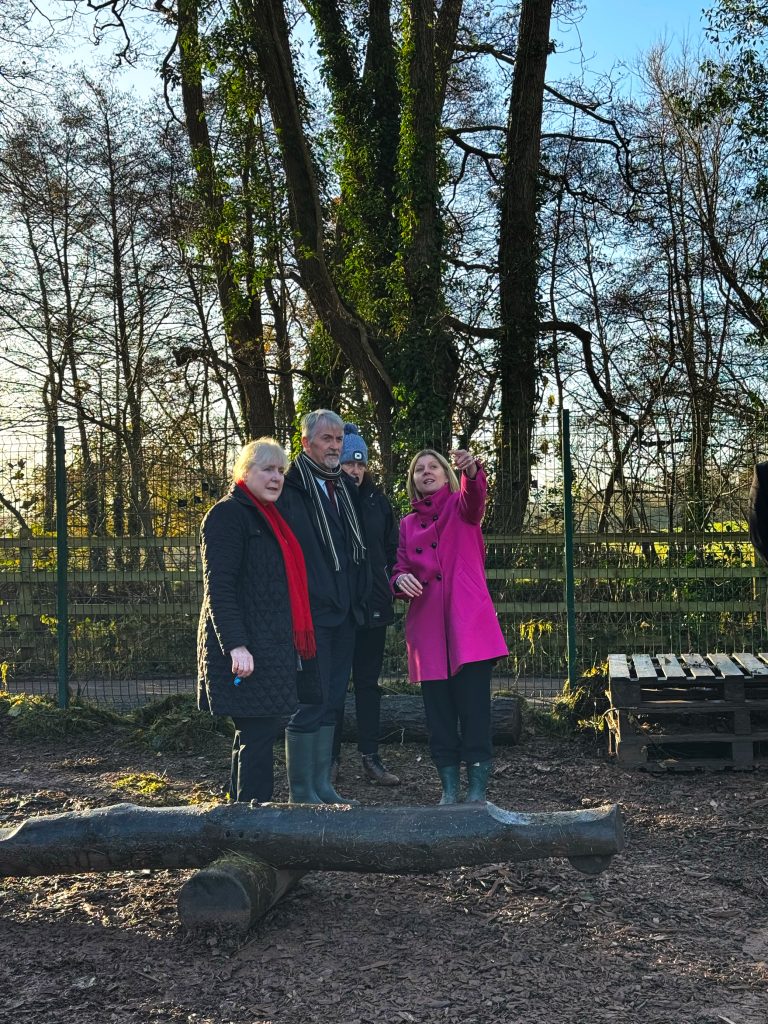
458,712
335,648
367,660
252,773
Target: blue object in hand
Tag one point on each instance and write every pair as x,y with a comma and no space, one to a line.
236,681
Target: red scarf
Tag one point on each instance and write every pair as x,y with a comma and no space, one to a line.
295,571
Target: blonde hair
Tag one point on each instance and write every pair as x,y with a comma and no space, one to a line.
410,487
258,453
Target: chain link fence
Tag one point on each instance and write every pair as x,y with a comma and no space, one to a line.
661,559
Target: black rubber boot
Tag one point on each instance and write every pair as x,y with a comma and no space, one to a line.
449,776
300,766
477,778
323,763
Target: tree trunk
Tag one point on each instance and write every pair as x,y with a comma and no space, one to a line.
309,837
242,317
285,402
426,362
265,24
518,265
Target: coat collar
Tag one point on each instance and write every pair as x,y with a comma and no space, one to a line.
237,495
434,502
242,499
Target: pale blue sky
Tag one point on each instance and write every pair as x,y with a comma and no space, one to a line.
617,31
610,32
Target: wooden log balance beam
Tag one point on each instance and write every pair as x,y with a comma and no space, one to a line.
308,837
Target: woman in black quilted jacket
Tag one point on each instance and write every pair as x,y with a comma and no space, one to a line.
256,643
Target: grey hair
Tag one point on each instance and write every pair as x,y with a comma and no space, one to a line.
258,453
312,421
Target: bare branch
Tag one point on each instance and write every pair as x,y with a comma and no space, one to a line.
474,150
478,332
14,511
116,8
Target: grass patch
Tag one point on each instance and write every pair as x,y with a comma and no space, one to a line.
146,784
394,687
173,724
32,717
538,720
581,709
153,790
577,711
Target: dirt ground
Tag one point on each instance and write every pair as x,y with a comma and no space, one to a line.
675,930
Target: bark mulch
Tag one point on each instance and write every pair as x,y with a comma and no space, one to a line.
676,929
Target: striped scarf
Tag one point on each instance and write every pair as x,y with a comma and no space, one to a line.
309,471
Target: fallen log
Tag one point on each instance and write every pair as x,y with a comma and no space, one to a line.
233,893
308,837
403,721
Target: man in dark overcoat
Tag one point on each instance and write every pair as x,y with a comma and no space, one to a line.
321,506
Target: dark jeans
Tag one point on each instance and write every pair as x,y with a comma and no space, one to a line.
252,773
458,712
366,668
335,646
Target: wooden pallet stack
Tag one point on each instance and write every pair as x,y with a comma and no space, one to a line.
688,711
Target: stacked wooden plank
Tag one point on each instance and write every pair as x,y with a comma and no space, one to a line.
688,711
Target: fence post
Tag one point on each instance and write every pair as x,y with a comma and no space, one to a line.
62,559
570,589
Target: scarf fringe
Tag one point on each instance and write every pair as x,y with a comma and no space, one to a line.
306,644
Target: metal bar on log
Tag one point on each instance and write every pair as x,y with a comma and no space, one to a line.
307,837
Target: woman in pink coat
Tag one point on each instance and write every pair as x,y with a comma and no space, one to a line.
451,630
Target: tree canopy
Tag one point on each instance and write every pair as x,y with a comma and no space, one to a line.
391,209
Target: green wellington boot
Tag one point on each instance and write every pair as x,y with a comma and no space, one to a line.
323,764
449,776
300,766
477,777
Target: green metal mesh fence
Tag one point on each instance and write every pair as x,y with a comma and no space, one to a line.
662,560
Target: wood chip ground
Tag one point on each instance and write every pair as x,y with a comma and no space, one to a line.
676,930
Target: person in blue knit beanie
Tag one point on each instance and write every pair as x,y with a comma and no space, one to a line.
381,535
353,449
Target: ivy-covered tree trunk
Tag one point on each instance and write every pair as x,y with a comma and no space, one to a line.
265,23
378,293
518,266
426,359
241,306
326,367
